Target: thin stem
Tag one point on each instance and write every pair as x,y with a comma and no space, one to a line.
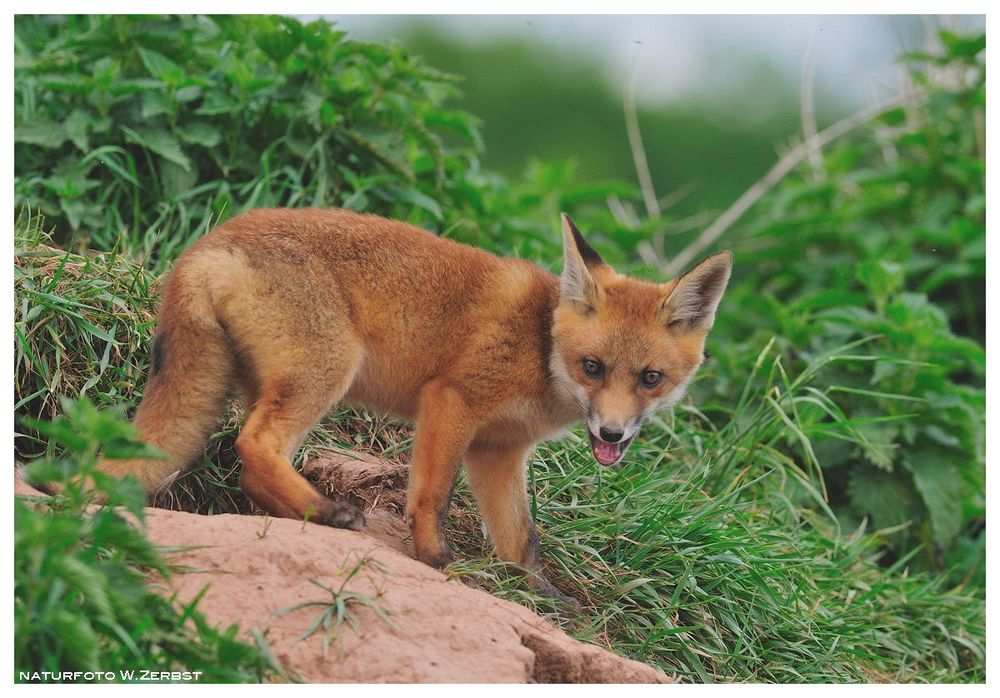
808,106
781,168
635,143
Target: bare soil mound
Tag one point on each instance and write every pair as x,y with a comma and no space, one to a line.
399,620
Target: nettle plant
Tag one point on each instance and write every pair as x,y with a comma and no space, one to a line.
884,245
171,123
163,126
83,599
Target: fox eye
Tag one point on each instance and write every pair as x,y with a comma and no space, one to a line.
593,368
651,378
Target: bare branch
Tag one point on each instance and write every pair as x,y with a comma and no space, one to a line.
882,132
623,216
808,105
635,143
781,168
677,195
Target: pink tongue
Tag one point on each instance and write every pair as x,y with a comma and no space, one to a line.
606,453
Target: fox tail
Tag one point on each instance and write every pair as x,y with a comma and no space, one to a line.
192,373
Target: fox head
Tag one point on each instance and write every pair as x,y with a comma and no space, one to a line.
625,348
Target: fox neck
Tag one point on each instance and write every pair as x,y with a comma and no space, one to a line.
566,409
563,399
561,406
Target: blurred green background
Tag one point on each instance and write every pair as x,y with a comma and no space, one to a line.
718,97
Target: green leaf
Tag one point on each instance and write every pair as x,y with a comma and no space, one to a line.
64,82
155,103
93,329
963,46
893,117
47,134
77,124
313,102
200,133
879,444
887,499
941,488
77,639
830,298
880,277
419,199
460,122
75,211
87,581
319,34
159,66
282,41
353,79
175,179
161,142
188,93
216,103
105,71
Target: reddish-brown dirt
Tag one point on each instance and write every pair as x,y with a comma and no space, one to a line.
433,629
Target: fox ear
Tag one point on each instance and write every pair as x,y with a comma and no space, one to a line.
578,285
695,297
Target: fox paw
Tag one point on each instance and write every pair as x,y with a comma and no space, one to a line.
340,515
542,584
438,560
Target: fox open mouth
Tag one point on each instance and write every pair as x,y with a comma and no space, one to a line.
607,453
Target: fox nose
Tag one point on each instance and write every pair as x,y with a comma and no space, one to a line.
612,433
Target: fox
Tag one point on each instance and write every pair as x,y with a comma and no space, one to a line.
296,311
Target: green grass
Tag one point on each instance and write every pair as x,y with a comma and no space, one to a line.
81,324
707,554
340,605
711,552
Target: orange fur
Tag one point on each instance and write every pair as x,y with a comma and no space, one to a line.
301,310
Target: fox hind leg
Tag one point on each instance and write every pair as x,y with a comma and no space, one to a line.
182,399
287,407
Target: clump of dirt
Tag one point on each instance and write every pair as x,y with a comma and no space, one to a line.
390,618
378,487
368,482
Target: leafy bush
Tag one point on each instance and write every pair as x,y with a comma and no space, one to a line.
886,243
82,601
164,125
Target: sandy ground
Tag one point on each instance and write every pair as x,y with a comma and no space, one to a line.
404,622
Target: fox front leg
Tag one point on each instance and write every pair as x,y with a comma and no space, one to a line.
442,434
498,477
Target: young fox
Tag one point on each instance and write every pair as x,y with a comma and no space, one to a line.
301,310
